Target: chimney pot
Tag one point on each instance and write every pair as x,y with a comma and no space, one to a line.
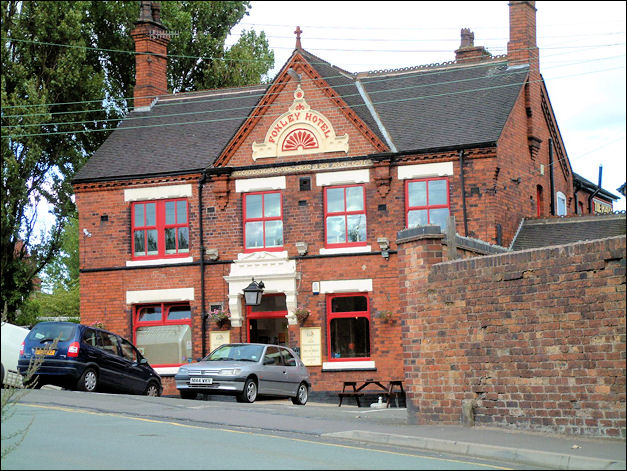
151,55
468,38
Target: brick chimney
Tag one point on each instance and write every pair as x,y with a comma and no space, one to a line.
468,52
151,56
522,47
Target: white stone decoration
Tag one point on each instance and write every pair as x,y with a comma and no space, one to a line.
439,169
159,261
348,365
343,177
346,286
274,269
159,295
158,192
260,184
300,131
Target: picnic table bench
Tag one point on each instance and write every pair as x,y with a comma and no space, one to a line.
392,389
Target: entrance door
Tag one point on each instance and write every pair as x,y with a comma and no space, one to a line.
267,322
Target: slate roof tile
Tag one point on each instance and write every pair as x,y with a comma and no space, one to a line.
535,233
421,108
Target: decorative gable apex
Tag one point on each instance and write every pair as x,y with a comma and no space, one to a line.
300,131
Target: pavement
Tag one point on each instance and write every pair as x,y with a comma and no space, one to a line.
383,426
543,450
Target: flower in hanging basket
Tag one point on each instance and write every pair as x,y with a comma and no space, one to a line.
301,314
98,325
220,316
385,316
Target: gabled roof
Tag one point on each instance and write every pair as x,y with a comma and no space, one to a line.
534,233
410,110
181,133
587,185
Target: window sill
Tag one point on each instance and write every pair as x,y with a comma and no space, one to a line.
340,250
348,365
159,261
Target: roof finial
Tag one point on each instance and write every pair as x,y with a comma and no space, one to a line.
297,33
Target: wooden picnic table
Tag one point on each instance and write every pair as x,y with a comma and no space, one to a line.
355,388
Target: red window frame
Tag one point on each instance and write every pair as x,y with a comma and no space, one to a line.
428,207
160,226
165,307
263,220
262,315
344,213
339,315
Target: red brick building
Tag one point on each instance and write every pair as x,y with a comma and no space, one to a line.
304,184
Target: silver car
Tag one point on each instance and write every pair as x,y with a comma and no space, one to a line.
246,370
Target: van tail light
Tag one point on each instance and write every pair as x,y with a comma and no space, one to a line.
72,350
22,349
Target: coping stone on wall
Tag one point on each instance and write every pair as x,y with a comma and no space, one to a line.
413,233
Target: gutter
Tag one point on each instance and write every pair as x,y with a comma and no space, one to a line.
596,191
203,311
461,177
551,177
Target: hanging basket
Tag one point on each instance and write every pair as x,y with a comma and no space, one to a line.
386,316
301,314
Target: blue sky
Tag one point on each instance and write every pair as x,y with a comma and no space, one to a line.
582,56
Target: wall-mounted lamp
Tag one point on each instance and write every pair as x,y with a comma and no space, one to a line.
384,244
212,254
253,293
86,233
301,247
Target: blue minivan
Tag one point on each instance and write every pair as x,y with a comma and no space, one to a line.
86,358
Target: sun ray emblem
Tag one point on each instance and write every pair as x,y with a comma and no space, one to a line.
300,139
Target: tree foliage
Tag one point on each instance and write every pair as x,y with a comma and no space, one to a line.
42,82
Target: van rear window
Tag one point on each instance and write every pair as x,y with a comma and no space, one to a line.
50,332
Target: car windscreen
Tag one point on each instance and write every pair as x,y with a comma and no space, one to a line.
236,353
49,332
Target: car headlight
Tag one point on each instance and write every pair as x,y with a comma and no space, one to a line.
183,371
230,371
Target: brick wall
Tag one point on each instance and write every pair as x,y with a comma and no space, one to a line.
536,339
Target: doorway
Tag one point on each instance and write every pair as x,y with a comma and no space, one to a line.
267,323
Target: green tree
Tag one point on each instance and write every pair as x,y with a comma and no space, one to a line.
61,291
41,151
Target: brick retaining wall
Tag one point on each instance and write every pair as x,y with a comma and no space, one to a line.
534,339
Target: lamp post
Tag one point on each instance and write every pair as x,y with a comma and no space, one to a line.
253,293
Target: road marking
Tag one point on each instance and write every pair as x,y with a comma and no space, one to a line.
166,422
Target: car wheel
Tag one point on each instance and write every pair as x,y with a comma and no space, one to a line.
249,394
152,390
185,394
301,395
88,381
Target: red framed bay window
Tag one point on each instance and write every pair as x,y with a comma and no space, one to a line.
348,327
427,201
345,216
160,229
163,333
263,221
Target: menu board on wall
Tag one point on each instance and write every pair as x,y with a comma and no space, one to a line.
219,337
311,346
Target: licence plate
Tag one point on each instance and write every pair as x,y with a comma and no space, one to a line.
200,380
45,351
